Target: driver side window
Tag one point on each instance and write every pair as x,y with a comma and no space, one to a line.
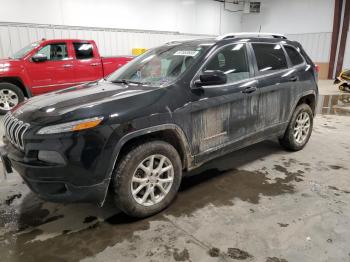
232,61
54,52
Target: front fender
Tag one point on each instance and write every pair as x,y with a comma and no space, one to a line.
188,162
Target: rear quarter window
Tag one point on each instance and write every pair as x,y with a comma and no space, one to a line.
294,56
269,57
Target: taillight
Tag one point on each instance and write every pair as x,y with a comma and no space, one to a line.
317,67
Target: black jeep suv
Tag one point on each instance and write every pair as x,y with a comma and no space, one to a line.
169,110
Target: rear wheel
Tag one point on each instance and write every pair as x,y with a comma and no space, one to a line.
299,129
147,179
10,96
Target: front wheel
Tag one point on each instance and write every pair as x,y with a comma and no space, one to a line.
10,96
299,129
147,179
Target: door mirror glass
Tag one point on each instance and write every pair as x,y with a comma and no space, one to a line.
39,58
211,77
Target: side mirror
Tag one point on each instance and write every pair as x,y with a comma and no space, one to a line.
39,58
211,77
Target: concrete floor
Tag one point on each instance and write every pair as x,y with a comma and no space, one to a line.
258,204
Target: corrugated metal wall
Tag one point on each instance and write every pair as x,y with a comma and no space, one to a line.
317,45
14,36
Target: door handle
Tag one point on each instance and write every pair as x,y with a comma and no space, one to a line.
95,64
249,90
67,66
293,79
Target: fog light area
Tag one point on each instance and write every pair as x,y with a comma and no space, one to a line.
51,157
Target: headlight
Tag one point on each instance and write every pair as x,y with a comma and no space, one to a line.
71,126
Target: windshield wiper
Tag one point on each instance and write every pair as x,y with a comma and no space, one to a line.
126,82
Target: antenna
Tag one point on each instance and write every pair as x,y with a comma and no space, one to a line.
259,31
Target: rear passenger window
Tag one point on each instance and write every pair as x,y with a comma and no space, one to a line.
269,57
294,55
83,50
232,60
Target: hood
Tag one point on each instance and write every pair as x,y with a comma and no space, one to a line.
5,64
79,101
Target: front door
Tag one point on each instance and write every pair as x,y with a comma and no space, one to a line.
223,114
55,73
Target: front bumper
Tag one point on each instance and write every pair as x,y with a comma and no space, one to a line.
63,192
73,181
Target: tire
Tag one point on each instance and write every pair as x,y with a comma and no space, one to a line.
129,169
10,96
289,141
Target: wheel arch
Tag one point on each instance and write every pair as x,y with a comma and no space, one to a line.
17,82
170,133
310,100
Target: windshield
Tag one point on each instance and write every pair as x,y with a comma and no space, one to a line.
161,65
25,50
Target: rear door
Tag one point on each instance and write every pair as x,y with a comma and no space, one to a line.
87,63
55,73
222,114
275,84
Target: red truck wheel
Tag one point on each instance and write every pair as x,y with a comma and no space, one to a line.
10,96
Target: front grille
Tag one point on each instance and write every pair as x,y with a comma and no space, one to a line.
14,130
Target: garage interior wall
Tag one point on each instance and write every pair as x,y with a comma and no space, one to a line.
308,21
14,36
106,20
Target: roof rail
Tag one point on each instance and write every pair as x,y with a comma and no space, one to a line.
250,34
174,41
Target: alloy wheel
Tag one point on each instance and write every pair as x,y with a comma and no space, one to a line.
8,99
302,127
152,180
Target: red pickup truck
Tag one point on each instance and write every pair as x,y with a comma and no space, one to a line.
48,65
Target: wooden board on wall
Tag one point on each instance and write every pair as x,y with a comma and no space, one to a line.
323,74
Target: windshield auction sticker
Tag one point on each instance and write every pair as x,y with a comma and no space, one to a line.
186,53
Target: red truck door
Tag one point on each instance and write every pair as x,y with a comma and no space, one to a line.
87,63
56,72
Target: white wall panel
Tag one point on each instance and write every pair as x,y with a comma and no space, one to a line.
111,42
306,21
185,16
346,62
317,45
291,17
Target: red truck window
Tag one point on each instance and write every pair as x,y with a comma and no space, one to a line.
83,50
54,52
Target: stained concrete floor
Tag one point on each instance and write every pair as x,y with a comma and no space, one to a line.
257,204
